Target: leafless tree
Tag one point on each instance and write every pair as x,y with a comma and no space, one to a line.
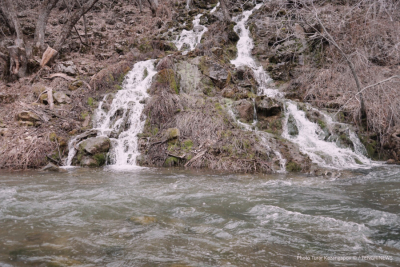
17,52
40,30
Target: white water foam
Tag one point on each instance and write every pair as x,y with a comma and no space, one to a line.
193,37
324,153
121,122
244,47
126,105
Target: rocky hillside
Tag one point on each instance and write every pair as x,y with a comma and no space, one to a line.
198,100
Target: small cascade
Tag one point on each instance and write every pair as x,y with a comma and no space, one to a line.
122,121
193,37
310,137
244,47
118,117
215,8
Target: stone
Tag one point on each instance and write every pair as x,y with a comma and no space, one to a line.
217,51
192,81
244,110
95,145
52,168
3,131
61,98
27,116
75,85
198,28
215,71
8,98
292,126
67,67
228,92
267,107
248,6
89,162
390,161
172,133
143,220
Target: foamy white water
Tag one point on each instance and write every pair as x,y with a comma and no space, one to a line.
324,153
244,47
122,121
193,37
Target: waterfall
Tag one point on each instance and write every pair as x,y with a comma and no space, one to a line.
193,37
325,153
120,119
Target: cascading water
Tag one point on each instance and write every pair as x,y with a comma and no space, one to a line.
120,120
310,138
325,153
193,37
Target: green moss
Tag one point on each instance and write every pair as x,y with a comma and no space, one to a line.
154,131
167,77
293,167
53,137
171,161
100,159
188,144
90,101
84,114
145,73
321,124
218,106
358,161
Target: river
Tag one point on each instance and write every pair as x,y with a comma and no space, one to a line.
176,217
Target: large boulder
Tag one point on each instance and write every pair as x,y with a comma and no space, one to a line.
267,107
52,168
95,145
293,130
192,81
244,110
92,152
220,75
61,98
67,67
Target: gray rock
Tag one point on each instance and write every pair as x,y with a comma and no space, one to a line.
95,145
267,107
198,28
192,81
27,116
292,126
67,67
89,162
52,168
172,133
61,98
244,110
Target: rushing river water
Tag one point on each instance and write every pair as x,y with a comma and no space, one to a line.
174,217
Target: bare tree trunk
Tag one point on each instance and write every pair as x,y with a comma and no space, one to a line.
84,24
72,20
140,6
18,59
329,38
40,30
225,11
153,6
